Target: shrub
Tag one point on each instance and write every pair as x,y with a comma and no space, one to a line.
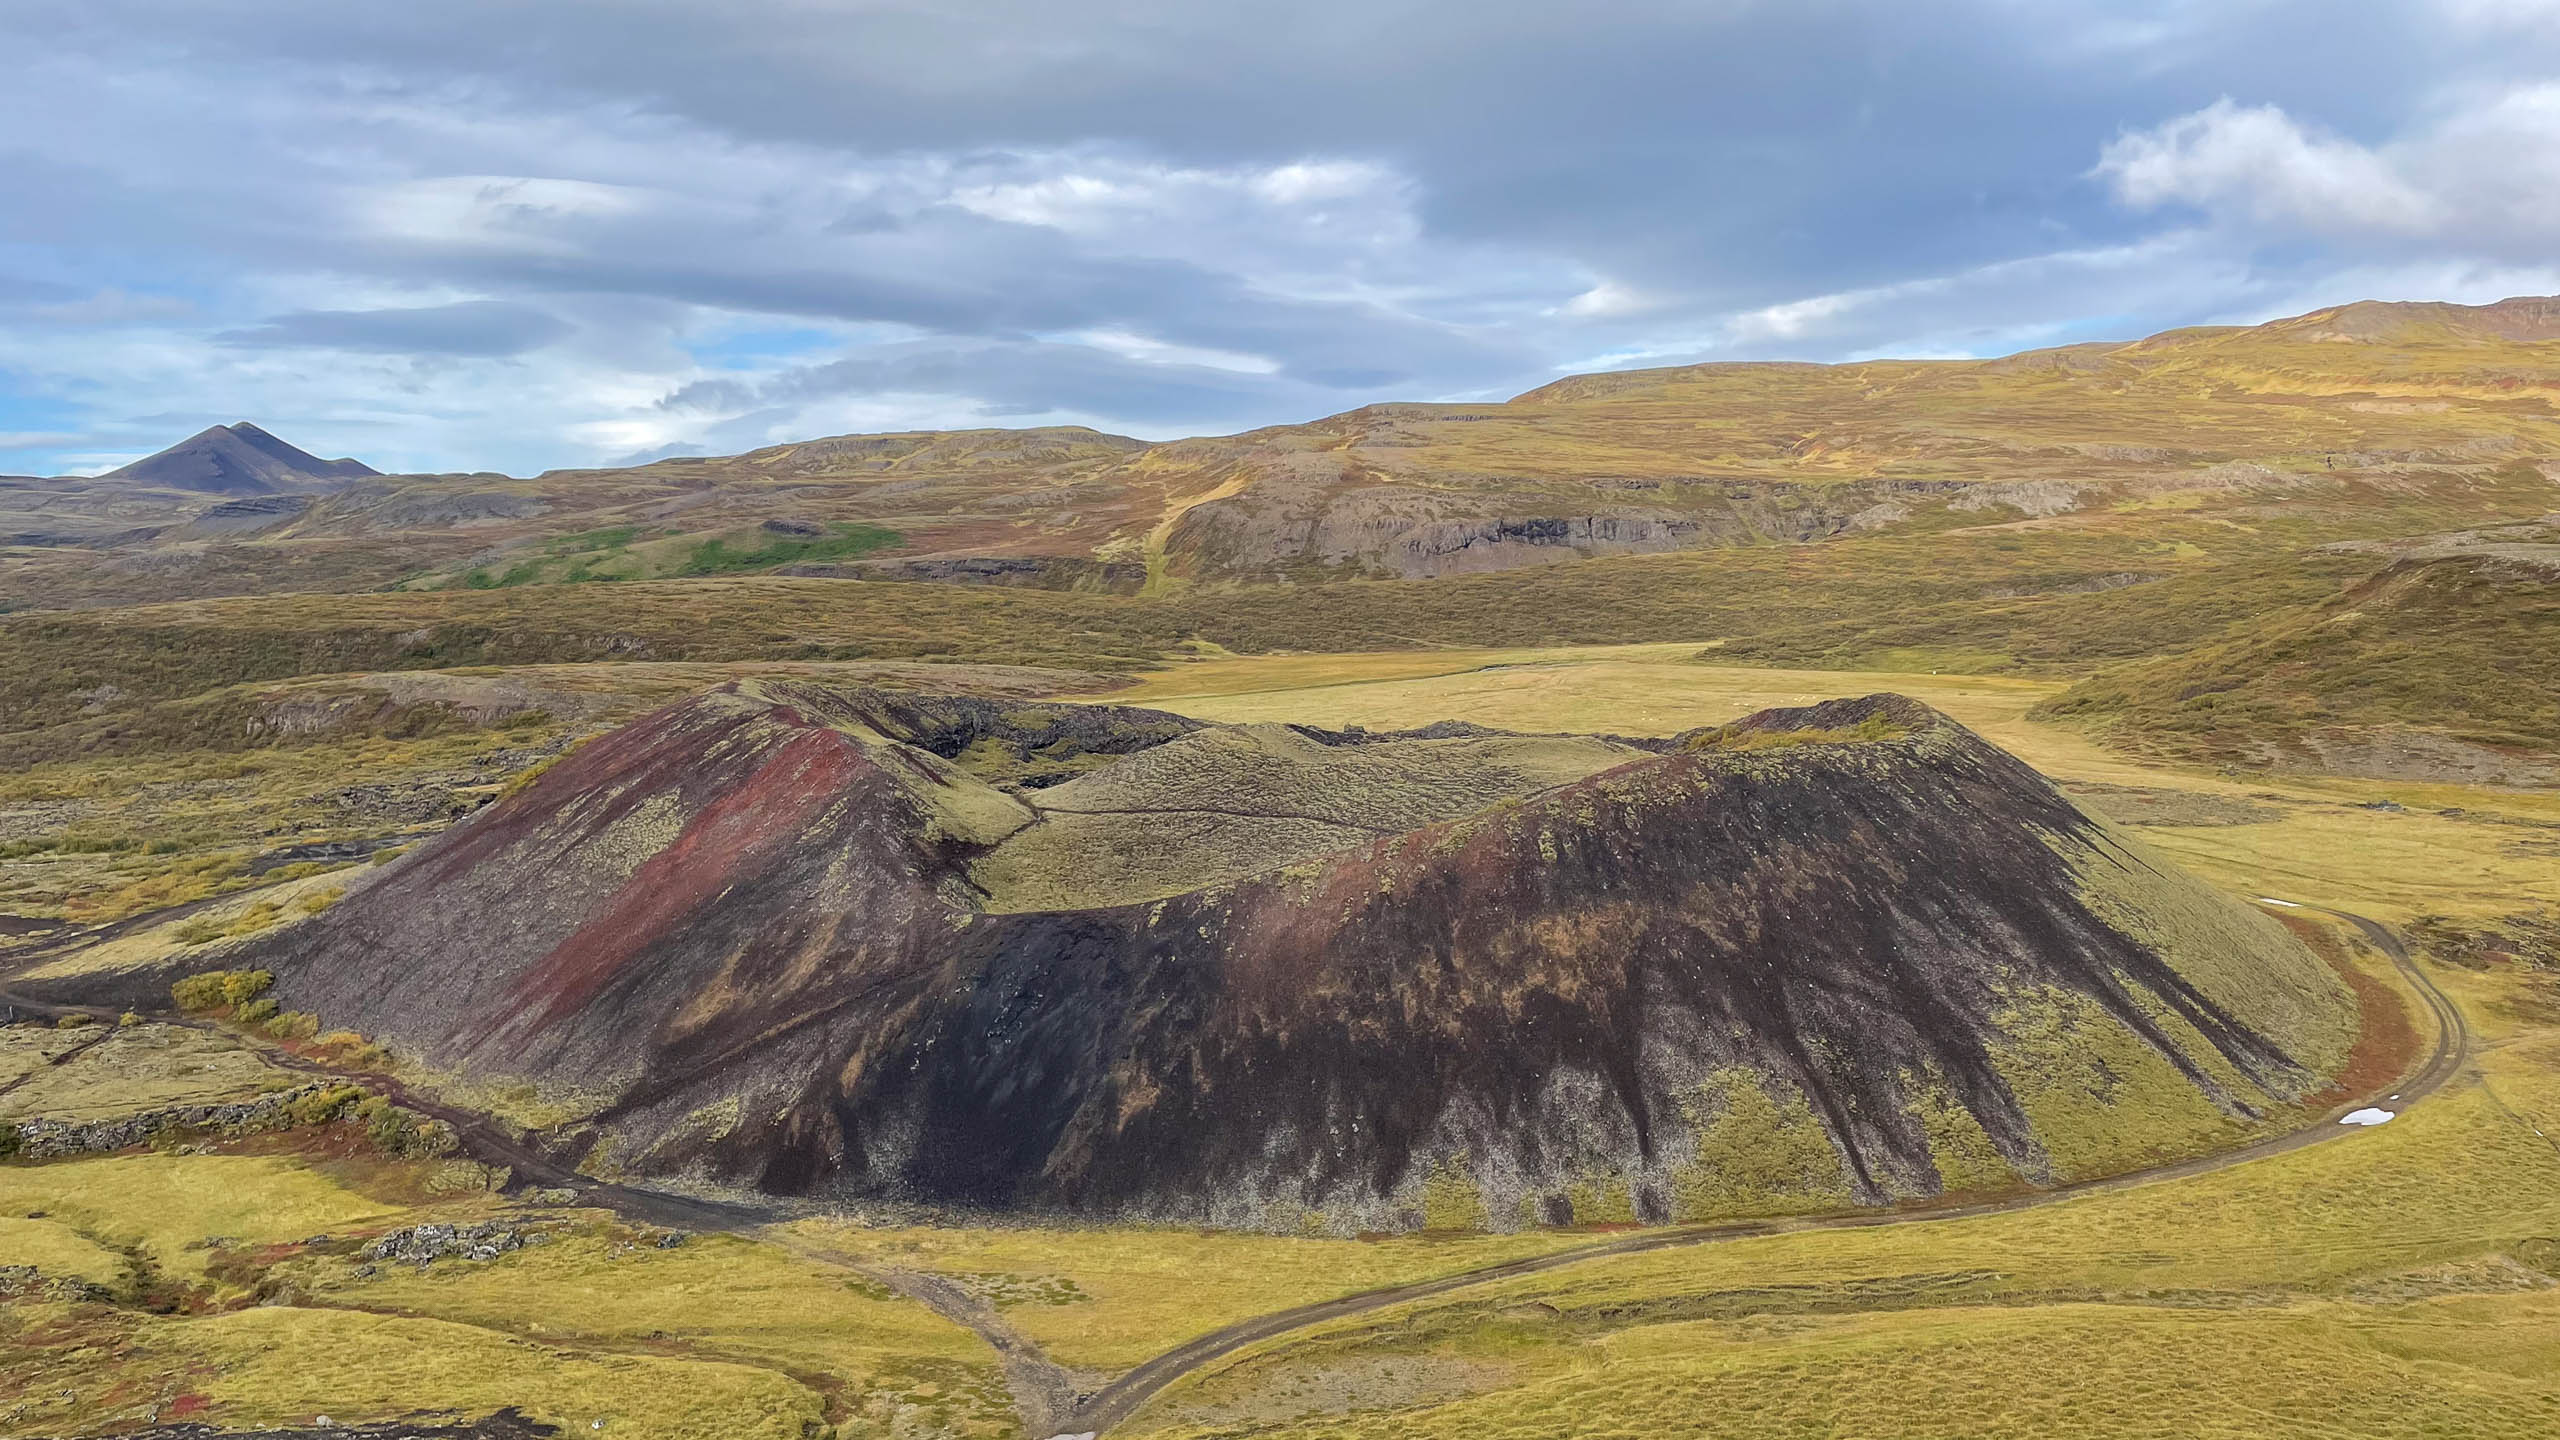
214,989
75,1020
346,1047
126,1019
405,1133
293,1025
322,1106
9,1142
255,1012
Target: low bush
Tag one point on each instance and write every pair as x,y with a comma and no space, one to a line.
405,1133
346,1047
322,1106
214,989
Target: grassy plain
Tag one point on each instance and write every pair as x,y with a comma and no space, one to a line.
2389,1282
1104,1300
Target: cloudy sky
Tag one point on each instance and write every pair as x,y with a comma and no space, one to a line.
517,234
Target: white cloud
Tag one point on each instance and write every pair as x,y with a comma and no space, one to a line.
2479,178
113,306
501,212
2502,14
1152,351
1607,300
2258,161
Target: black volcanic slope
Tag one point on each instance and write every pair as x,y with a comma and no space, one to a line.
1119,963
238,460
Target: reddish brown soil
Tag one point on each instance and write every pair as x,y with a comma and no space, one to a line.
2387,1043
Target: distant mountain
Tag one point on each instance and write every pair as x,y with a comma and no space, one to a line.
238,460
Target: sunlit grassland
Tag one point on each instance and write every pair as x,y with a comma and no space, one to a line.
165,1207
2472,1368
713,1298
277,1364
715,1337
1132,1292
57,1250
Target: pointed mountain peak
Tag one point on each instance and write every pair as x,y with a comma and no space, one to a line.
239,459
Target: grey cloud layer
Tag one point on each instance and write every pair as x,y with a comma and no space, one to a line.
510,235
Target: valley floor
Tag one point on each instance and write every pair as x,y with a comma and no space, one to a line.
2402,1280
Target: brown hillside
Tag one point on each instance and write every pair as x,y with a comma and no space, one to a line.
2445,666
2318,421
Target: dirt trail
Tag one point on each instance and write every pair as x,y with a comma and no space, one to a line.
1045,1393
101,1032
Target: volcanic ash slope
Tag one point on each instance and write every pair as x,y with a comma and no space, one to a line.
1082,960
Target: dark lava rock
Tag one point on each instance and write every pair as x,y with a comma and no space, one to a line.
423,1245
42,1139
1115,963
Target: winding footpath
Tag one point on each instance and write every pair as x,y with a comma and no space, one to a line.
1044,1393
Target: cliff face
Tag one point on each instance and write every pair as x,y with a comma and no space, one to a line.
1115,963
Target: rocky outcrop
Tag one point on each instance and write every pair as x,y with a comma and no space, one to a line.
1311,516
1036,572
41,1139
423,1245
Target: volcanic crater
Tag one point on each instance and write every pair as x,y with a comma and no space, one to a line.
1104,962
